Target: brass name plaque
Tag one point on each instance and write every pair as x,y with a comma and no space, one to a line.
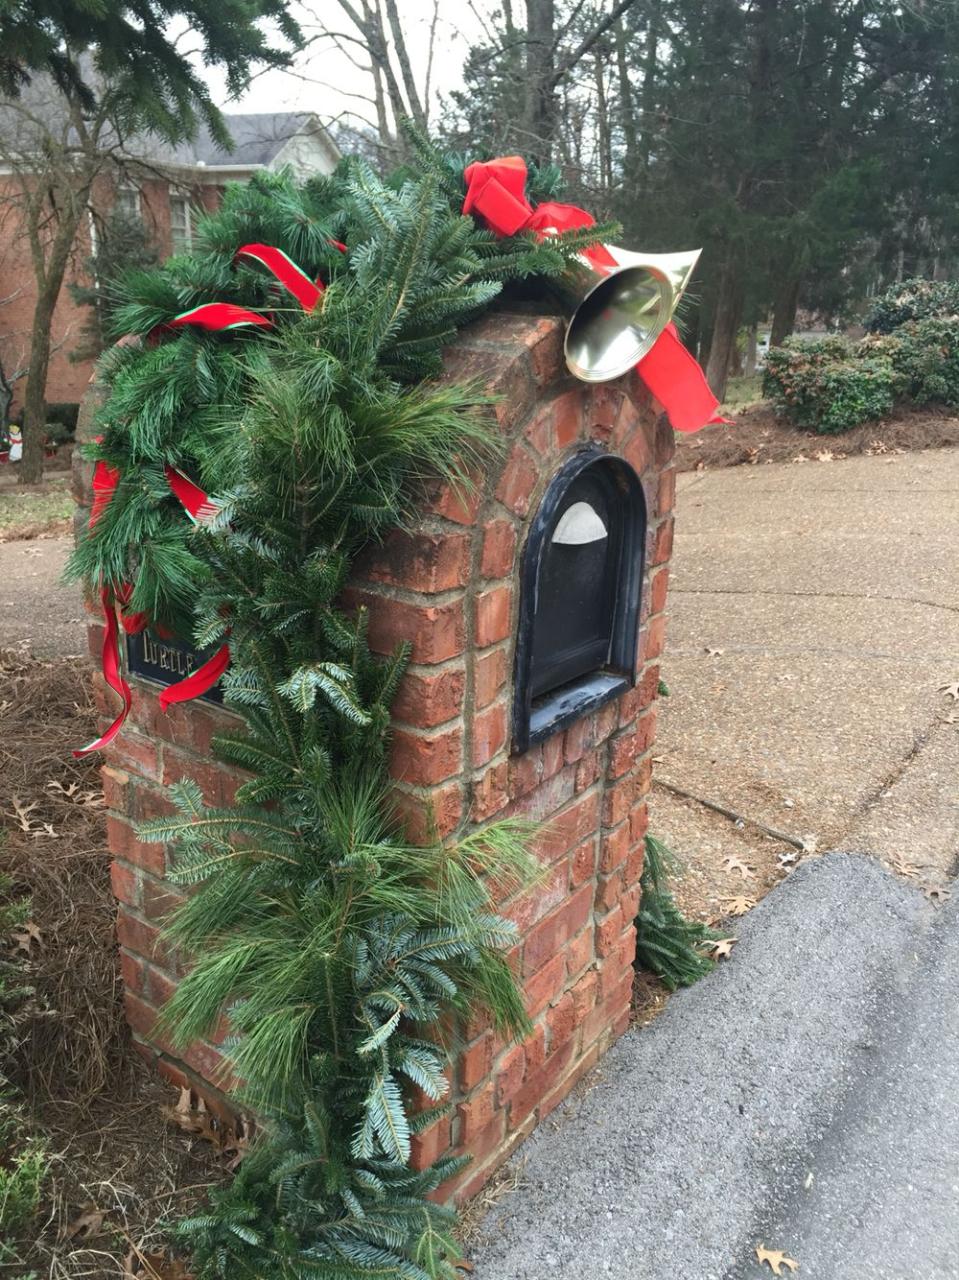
165,661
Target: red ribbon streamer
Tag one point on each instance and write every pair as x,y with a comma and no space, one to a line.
496,192
200,508
112,674
199,681
290,276
217,316
105,481
196,502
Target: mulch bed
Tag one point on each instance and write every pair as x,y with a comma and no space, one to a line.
756,436
85,1093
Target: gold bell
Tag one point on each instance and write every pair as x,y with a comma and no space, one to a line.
619,311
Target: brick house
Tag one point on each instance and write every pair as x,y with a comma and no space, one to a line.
167,186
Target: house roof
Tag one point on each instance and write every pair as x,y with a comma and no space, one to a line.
257,138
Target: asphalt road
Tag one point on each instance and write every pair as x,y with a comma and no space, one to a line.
805,1097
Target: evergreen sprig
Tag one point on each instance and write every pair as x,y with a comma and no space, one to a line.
667,942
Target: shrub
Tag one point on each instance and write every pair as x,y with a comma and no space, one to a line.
23,1170
64,413
926,359
825,386
912,300
23,1161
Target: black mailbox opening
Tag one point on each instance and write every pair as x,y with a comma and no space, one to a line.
581,584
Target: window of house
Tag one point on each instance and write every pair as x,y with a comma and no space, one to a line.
579,605
181,224
128,201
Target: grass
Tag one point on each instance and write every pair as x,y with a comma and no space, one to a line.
32,512
741,392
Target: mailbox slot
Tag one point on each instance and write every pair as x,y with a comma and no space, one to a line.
579,607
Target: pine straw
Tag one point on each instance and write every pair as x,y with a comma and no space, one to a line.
757,436
89,1099
76,1041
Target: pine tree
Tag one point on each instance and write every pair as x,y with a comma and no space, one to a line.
122,243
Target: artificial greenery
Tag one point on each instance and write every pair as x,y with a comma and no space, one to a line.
667,943
341,953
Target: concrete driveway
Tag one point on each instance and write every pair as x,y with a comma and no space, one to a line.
829,595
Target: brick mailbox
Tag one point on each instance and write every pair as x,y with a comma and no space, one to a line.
535,611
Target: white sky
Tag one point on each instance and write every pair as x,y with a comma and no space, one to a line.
324,80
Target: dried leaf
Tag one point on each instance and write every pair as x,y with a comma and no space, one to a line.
27,936
937,892
903,868
86,1225
739,905
800,458
54,785
22,813
722,948
714,653
731,863
825,455
236,1141
950,690
193,1117
153,1266
776,1259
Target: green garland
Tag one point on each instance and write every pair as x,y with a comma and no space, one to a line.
338,949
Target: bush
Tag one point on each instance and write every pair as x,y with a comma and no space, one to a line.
824,385
64,413
926,359
23,1161
912,300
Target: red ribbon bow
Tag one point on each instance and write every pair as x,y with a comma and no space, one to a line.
496,193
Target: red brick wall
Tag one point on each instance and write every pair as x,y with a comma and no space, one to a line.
450,588
67,381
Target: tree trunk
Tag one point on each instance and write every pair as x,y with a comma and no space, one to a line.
729,305
34,400
540,70
627,111
417,109
603,139
35,394
752,341
6,397
648,93
784,311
